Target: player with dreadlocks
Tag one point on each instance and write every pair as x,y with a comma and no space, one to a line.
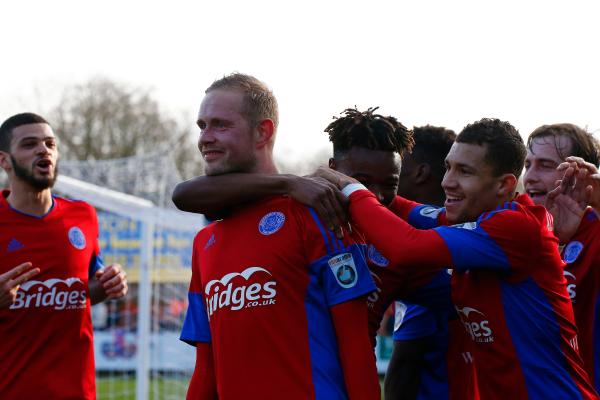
366,146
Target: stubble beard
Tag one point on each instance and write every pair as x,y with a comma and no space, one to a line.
28,177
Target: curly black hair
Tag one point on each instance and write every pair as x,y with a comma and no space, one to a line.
505,148
369,130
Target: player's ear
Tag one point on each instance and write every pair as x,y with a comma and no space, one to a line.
422,172
332,163
507,185
5,161
265,130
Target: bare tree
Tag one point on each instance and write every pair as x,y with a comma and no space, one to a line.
103,119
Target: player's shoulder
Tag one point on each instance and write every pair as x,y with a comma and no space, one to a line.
204,233
73,204
518,212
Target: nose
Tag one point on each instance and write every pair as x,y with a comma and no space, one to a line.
449,181
530,175
43,148
206,137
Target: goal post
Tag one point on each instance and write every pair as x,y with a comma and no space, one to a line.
138,354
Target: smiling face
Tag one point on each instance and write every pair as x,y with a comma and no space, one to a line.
378,170
470,184
226,137
33,156
543,156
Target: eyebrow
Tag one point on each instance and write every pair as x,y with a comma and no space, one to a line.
36,138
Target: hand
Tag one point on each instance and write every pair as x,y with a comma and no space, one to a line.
10,281
113,280
324,197
592,180
568,202
335,177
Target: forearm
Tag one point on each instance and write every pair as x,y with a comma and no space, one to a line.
403,376
356,353
203,384
399,242
212,194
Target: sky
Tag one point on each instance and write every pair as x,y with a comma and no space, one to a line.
444,63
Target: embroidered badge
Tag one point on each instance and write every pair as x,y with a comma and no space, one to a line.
376,258
271,223
77,238
572,251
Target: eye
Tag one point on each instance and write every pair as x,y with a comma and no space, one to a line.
220,124
201,125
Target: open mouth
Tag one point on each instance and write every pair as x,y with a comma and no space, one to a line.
453,200
536,194
44,166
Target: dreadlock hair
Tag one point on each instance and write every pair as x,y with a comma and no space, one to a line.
583,143
13,122
368,130
505,148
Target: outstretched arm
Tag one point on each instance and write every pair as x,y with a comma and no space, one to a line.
356,354
214,195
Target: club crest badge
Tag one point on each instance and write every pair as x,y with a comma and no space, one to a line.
77,238
376,258
572,251
343,268
271,223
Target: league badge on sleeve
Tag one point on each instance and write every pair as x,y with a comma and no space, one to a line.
271,223
572,251
343,268
77,238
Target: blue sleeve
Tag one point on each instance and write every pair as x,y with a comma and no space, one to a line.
412,321
344,275
195,327
425,217
96,264
472,247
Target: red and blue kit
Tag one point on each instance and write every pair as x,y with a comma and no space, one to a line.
263,281
582,256
46,336
448,370
508,289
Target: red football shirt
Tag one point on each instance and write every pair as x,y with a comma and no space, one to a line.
582,256
263,281
46,347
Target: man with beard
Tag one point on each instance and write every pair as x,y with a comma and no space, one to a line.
276,303
507,282
431,358
46,336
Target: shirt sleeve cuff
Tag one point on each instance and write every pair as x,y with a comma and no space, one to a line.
351,188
